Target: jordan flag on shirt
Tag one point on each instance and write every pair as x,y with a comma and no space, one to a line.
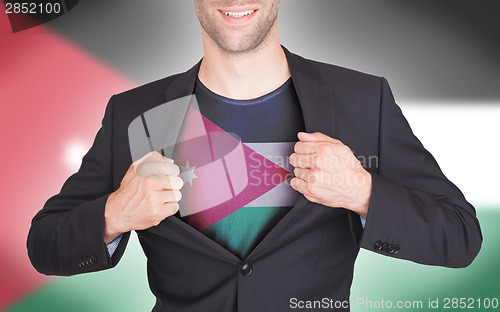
220,173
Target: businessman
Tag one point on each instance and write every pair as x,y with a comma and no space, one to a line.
257,246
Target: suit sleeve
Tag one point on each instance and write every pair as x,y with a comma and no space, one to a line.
67,236
415,212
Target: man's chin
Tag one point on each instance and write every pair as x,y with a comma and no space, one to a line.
239,46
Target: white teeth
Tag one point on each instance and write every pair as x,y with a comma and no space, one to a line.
239,14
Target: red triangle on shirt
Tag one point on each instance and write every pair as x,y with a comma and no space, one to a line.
220,173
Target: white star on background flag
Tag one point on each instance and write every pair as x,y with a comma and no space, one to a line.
187,173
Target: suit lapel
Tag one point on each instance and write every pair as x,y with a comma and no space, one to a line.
315,97
182,85
318,109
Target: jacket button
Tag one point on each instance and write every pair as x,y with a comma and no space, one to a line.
83,264
378,245
396,249
246,269
384,246
93,260
390,249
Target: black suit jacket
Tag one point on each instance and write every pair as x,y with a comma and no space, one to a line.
415,213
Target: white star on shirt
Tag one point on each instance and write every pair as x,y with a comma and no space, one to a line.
187,173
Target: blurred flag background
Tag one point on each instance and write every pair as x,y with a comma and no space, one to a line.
440,57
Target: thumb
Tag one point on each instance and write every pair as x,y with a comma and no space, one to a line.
316,137
153,155
132,169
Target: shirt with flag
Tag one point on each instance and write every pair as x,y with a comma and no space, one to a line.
252,141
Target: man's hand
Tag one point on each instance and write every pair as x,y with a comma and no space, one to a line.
328,173
148,193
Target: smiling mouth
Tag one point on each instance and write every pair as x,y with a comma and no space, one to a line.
238,14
